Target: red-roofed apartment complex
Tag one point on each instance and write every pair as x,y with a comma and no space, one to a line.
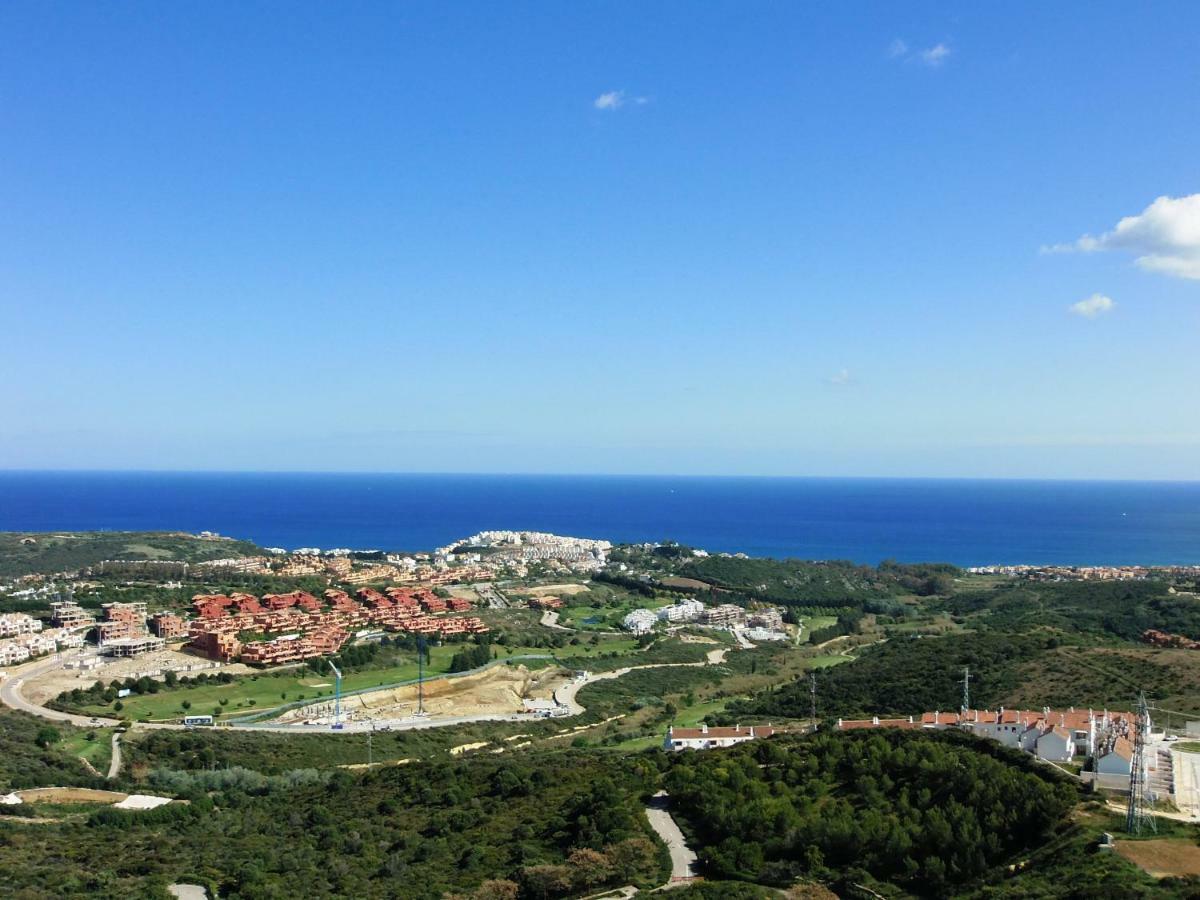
306,629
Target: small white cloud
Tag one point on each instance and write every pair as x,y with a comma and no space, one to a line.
935,55
1165,235
931,56
1093,306
841,378
610,100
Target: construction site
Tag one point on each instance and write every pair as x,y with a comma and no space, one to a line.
498,691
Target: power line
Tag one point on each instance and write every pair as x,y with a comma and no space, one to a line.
420,674
1140,815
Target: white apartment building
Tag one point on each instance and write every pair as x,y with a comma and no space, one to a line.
640,621
683,611
12,624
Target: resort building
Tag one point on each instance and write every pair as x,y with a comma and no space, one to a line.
683,611
69,614
13,624
166,625
706,738
724,616
640,621
132,646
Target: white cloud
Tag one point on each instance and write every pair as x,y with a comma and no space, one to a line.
610,100
1095,305
1165,236
931,56
841,378
935,55
613,100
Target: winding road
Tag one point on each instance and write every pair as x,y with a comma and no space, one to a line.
11,696
683,858
565,695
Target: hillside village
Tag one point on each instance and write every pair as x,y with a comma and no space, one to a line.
523,638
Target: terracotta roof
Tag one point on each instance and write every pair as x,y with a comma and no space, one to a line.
1122,748
747,731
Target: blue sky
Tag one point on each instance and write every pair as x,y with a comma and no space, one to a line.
663,238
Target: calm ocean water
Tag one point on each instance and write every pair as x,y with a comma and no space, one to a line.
867,520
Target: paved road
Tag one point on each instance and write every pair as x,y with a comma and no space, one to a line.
10,695
114,766
566,694
683,859
1187,782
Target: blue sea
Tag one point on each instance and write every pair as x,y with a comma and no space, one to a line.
968,522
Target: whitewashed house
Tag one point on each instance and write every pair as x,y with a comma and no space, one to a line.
1056,745
1118,760
705,738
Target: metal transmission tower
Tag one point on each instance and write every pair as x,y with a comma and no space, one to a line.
1140,816
420,674
337,693
966,683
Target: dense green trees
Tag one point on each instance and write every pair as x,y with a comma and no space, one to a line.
907,675
1084,609
553,824
32,754
472,656
924,811
824,583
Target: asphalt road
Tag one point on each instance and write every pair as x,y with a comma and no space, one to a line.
1187,782
114,767
683,860
10,695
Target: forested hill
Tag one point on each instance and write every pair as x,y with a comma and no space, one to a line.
555,825
821,583
67,551
906,675
1113,609
924,812
1036,644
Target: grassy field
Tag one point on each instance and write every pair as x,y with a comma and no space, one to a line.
267,690
824,662
812,623
606,609
97,751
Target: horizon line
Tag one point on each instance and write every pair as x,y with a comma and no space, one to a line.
639,475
